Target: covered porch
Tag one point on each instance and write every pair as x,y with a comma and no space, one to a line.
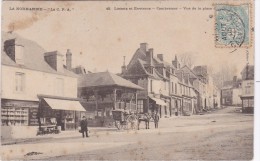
103,92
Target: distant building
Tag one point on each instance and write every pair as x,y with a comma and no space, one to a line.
188,93
198,87
231,92
247,96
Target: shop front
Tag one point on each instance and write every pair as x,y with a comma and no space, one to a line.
187,106
157,105
247,104
61,114
175,105
19,112
18,116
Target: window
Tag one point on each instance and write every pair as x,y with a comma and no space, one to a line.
59,87
245,103
172,87
19,82
14,116
140,105
175,88
247,90
181,89
251,103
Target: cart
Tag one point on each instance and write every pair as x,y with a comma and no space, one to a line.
125,119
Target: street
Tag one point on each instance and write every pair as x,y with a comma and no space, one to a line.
221,135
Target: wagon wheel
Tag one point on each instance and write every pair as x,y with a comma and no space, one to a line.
131,122
118,125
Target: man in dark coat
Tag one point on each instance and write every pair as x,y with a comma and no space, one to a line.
156,120
84,126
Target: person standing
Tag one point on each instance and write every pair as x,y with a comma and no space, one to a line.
156,120
84,126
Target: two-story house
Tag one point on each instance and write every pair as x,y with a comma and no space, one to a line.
34,79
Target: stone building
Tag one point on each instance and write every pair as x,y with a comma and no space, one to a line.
152,74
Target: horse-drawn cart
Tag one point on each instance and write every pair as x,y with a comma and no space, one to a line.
125,119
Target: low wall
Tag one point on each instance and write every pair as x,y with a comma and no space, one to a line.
15,132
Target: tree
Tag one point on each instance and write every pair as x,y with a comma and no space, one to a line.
225,73
187,59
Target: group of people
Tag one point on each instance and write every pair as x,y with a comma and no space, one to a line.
84,124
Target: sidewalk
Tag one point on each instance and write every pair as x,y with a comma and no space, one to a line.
104,130
63,134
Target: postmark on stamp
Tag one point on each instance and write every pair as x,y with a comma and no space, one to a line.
232,25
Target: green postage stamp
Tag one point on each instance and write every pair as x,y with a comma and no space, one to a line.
232,25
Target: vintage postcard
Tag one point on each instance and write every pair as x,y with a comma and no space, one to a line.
127,80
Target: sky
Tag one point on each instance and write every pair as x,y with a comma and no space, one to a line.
99,38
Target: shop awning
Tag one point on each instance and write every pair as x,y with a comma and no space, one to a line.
159,101
58,104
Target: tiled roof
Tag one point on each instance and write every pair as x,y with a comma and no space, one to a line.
166,64
188,70
200,70
136,66
105,79
33,54
139,61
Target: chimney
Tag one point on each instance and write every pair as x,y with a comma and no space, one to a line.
175,62
144,47
69,59
14,50
149,56
123,67
160,56
55,60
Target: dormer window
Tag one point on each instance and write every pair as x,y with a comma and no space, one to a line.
15,51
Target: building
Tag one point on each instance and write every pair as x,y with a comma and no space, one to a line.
198,87
34,80
209,93
231,92
247,96
151,74
201,85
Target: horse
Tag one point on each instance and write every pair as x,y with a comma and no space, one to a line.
146,117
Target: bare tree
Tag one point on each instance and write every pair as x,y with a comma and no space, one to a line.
225,73
187,59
